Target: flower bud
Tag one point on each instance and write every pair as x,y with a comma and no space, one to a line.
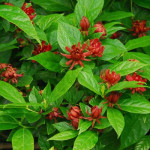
75,123
74,112
100,29
84,24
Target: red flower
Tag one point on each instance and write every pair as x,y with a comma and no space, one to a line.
75,123
113,99
110,78
8,73
95,115
95,48
29,11
100,29
139,28
136,77
115,35
76,55
84,24
54,114
44,48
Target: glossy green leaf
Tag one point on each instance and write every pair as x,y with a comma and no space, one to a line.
115,15
84,109
47,91
136,126
143,144
84,125
123,85
143,3
48,60
85,141
114,29
116,119
25,80
139,42
87,79
23,140
18,17
63,126
136,104
7,122
88,9
66,135
68,35
44,22
54,5
10,93
126,67
64,85
104,123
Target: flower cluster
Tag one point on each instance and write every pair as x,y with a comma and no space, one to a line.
8,73
139,28
54,114
136,77
77,54
41,49
29,11
110,78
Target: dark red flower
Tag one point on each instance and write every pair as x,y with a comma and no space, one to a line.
95,115
29,11
76,55
113,99
84,24
135,77
54,114
139,28
100,29
74,113
115,35
44,48
110,78
75,123
95,48
8,73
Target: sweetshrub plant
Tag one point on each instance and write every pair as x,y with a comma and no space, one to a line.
75,74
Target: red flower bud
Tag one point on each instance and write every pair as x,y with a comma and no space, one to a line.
75,123
100,29
84,24
74,112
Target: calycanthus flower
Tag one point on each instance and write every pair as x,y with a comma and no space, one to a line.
76,55
100,29
139,28
136,77
95,48
84,24
95,115
112,99
110,78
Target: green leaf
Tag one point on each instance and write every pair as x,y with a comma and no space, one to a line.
123,85
87,79
84,109
25,80
44,22
23,140
143,144
139,42
143,3
10,93
7,122
112,49
136,104
64,85
48,60
54,5
68,35
112,30
18,17
104,123
89,9
116,15
8,46
136,126
85,141
126,67
47,91
66,135
116,119
63,126
84,125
